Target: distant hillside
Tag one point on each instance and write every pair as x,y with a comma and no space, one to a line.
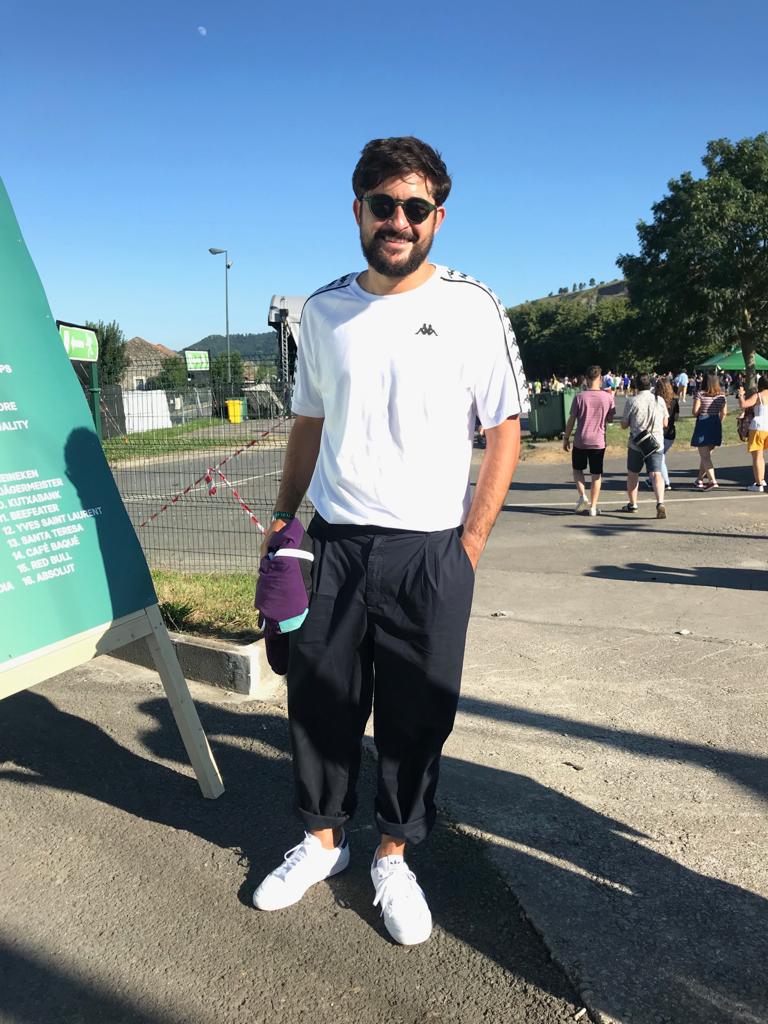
250,346
605,290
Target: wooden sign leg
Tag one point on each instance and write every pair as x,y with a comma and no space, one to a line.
183,708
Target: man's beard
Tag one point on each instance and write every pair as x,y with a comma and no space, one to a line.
385,265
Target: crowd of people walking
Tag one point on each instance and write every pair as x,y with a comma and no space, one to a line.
651,416
623,385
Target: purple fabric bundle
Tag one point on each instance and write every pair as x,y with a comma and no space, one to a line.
283,589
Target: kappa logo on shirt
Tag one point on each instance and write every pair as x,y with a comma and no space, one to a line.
426,329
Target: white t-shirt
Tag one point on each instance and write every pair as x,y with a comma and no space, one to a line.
399,380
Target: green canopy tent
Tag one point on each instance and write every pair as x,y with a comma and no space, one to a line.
732,360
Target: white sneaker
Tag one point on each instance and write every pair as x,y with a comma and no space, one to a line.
756,488
303,866
403,905
594,510
581,504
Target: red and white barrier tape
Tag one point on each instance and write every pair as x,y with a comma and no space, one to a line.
235,494
208,477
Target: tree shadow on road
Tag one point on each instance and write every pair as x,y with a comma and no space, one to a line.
718,577
39,990
43,746
605,526
650,939
655,938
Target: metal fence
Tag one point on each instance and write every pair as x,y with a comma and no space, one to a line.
197,464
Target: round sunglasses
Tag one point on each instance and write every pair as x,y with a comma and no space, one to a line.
383,207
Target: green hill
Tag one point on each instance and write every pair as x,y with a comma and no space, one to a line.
258,347
605,290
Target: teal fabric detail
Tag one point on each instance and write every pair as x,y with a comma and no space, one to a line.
288,625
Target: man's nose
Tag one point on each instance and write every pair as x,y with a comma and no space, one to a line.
398,219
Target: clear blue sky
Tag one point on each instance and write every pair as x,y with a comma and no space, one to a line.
135,136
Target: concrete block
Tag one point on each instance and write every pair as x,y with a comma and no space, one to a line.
242,668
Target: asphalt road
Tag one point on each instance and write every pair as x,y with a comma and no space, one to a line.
201,532
607,776
127,897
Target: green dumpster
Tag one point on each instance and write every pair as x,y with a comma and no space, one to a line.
568,396
547,415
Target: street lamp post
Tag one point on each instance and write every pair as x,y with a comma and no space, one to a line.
227,265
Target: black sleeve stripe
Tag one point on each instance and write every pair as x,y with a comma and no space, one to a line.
515,361
334,286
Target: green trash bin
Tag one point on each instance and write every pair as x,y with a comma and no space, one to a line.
547,416
244,409
568,396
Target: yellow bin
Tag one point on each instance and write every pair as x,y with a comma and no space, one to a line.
234,410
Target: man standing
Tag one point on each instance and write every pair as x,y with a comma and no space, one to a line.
394,364
645,416
591,410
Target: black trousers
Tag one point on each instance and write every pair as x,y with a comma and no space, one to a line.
386,628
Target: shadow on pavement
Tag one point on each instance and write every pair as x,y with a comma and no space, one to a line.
748,770
36,992
675,945
603,526
48,747
722,577
652,939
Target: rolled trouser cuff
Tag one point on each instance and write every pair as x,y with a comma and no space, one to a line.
410,831
314,822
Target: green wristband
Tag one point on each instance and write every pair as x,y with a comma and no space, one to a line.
285,516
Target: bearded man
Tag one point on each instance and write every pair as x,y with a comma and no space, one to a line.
394,365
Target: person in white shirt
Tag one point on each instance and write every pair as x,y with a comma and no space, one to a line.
646,418
394,366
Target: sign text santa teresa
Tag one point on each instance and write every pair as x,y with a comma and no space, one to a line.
73,578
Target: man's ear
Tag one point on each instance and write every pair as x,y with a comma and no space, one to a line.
357,208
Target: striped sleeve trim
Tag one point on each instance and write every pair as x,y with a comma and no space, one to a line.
333,286
510,342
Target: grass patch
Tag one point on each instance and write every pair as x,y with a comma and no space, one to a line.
208,604
162,441
614,435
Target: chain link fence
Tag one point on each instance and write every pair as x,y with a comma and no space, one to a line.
197,464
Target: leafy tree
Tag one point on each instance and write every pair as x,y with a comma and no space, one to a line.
591,282
172,376
565,337
574,287
219,376
700,282
113,357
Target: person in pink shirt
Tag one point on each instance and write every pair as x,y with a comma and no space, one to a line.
591,411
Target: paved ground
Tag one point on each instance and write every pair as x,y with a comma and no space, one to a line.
615,764
608,771
126,896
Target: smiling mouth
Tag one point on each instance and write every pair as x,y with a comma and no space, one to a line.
395,239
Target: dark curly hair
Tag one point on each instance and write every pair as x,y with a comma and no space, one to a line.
395,158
